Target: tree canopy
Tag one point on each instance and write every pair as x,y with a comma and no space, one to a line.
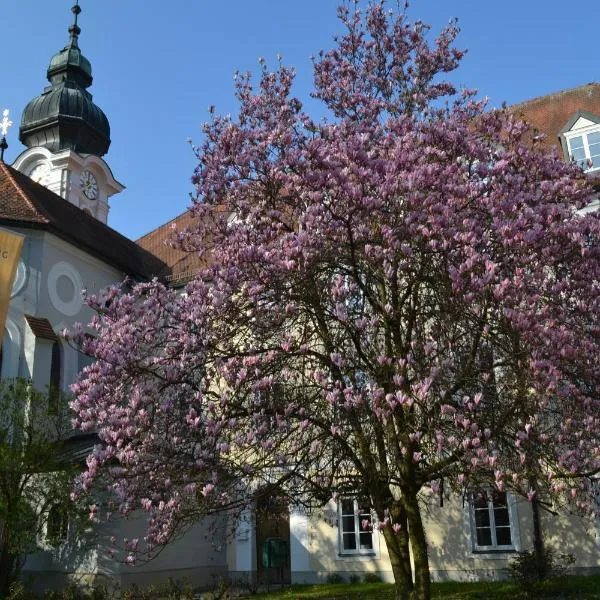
399,294
35,476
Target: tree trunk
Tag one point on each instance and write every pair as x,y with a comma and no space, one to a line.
538,540
418,544
7,567
398,550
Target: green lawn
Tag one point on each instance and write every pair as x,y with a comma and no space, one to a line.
578,588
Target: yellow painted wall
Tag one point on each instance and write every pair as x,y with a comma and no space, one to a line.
450,545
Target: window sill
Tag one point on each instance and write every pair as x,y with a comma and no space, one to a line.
361,556
494,554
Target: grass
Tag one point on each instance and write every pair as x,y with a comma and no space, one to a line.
576,588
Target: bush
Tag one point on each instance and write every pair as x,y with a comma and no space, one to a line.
333,578
221,590
16,591
102,593
167,590
354,578
71,592
529,570
372,578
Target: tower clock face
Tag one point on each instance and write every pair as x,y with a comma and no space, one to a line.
89,185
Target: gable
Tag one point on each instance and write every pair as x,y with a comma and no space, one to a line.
581,123
581,119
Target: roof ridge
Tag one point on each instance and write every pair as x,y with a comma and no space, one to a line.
21,193
537,98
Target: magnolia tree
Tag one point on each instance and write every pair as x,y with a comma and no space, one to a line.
400,294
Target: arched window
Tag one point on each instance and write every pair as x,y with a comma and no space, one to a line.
5,352
11,344
55,372
57,525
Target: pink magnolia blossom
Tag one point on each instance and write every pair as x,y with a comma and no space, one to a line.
406,295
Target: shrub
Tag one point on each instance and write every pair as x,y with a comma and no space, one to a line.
221,591
372,578
529,569
101,592
354,578
333,578
170,589
16,591
71,592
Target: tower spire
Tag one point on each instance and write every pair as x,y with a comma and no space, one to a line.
74,29
64,116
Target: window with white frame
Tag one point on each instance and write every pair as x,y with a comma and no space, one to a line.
584,148
356,527
492,521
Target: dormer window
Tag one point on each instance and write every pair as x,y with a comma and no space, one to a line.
584,149
582,140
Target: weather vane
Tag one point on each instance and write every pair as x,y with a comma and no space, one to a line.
5,123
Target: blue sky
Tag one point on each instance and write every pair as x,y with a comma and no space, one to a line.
159,65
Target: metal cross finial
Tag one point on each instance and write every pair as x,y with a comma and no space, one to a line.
74,29
5,123
76,10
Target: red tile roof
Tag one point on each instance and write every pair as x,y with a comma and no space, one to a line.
41,328
181,264
549,114
25,203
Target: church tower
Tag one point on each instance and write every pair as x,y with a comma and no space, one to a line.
67,134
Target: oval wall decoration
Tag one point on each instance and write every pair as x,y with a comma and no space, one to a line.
64,287
20,279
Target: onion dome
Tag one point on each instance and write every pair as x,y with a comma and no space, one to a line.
64,117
